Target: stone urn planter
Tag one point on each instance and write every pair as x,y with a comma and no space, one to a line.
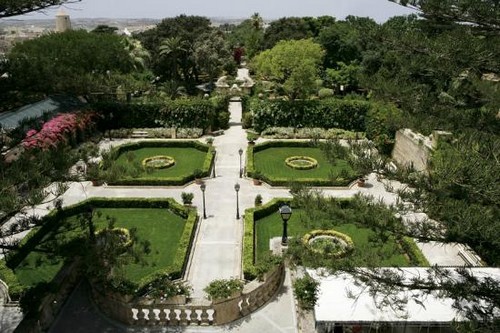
361,182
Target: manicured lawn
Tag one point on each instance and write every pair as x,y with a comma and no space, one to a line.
271,163
186,160
368,248
160,227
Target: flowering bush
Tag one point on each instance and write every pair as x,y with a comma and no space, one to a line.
59,129
219,289
306,291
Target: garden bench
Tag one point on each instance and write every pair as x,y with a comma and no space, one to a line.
140,134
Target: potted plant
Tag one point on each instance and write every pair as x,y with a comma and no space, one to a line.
257,178
198,174
361,182
251,137
258,200
209,140
187,198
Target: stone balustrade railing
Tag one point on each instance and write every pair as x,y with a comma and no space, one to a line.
143,312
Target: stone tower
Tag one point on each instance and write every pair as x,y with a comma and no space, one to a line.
63,23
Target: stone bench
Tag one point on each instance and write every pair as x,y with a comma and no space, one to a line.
139,134
217,133
469,258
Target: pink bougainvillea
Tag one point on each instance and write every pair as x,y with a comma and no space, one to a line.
57,130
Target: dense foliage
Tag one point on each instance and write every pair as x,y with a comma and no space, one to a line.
293,64
75,61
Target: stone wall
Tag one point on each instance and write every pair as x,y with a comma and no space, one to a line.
142,312
412,149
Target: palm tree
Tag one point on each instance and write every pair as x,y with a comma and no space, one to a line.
174,48
138,54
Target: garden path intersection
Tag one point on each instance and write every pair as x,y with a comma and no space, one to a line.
217,247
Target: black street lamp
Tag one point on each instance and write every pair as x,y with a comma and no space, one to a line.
286,213
213,159
203,187
237,189
241,170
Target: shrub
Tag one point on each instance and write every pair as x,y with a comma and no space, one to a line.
306,291
382,122
247,120
220,289
258,200
187,198
325,92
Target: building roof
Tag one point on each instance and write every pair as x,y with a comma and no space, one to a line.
336,303
53,104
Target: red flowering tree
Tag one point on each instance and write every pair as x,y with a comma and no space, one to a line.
58,130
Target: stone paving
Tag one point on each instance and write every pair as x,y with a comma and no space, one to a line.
218,243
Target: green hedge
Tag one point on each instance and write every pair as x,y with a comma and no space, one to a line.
417,258
185,113
171,181
251,171
250,270
48,222
328,113
8,276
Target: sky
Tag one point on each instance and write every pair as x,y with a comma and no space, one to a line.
379,10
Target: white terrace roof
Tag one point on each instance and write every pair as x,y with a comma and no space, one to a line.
335,306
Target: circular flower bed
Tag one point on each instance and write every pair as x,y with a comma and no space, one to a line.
328,242
117,238
301,162
158,162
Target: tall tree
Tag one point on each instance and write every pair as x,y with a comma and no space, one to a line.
286,28
173,49
294,64
71,62
212,53
19,7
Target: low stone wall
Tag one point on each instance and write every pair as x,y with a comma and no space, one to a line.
138,312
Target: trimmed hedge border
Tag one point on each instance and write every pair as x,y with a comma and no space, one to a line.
249,236
168,161
176,270
168,181
251,171
332,233
417,258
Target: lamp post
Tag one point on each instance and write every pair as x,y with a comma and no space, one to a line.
237,189
240,152
202,188
285,212
213,159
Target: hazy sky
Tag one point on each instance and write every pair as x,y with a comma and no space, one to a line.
380,10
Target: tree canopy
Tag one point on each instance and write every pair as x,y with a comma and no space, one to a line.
483,14
292,63
19,7
72,61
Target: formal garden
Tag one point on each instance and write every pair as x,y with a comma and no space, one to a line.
328,100
280,163
154,163
328,232
129,245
